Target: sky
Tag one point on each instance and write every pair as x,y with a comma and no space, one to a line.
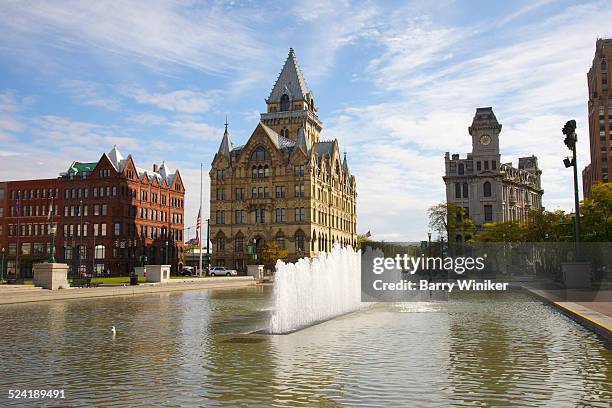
396,82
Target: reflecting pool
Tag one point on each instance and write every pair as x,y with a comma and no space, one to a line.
193,349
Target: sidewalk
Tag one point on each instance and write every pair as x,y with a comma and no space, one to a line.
591,308
10,294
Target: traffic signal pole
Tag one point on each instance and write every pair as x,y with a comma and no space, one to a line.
569,130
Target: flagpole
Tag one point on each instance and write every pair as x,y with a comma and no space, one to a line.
200,234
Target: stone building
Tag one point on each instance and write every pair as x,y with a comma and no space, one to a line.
109,215
488,190
283,184
600,117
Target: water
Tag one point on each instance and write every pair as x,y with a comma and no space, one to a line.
186,349
307,292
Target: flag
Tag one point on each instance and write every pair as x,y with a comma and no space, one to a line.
199,225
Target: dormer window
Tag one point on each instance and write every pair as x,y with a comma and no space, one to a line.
260,154
284,103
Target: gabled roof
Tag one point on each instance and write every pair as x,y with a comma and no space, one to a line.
290,81
279,141
302,142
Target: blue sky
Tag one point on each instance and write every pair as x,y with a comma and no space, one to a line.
396,82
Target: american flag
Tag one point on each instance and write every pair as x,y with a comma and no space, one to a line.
198,225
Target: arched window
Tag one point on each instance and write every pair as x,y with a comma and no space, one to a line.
461,169
465,190
284,102
260,154
299,241
486,188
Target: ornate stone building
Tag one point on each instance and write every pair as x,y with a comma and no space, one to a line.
283,184
488,190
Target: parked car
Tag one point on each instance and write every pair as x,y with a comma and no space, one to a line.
187,271
222,271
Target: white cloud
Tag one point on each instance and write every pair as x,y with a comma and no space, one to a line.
90,94
150,32
180,101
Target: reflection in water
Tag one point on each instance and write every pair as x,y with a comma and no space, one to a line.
185,349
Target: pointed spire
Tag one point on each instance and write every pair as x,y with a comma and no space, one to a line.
345,164
302,142
226,143
290,82
115,157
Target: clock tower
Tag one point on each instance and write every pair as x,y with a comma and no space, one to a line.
485,131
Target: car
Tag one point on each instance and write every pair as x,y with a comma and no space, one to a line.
222,271
186,272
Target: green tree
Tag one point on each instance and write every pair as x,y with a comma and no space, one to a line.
596,219
270,253
448,219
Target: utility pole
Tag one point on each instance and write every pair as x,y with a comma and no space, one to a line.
569,130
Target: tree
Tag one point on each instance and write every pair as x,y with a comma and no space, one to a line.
448,219
270,253
596,219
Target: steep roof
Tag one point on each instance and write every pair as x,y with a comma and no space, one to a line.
226,144
302,142
279,141
290,81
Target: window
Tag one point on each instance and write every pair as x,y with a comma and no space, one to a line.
280,191
461,169
299,190
486,165
488,213
1,212
239,244
299,214
1,194
220,194
465,190
221,244
103,230
104,209
457,190
254,192
260,154
240,216
299,242
478,166
67,253
298,170
240,194
493,165
486,188
281,242
280,215
284,103
220,217
117,230
100,252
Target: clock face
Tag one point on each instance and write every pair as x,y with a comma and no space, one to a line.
485,139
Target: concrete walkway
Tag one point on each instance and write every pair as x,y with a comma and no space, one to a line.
10,294
591,308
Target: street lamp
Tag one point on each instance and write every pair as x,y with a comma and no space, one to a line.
2,265
52,232
166,253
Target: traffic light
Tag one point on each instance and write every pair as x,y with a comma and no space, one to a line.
569,130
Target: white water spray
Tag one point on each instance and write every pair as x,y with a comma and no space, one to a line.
307,292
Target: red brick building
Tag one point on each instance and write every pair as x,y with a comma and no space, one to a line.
111,216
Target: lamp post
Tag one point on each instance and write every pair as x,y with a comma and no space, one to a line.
52,232
2,265
166,253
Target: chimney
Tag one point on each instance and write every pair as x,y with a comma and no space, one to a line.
155,168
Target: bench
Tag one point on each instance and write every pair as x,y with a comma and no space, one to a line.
83,283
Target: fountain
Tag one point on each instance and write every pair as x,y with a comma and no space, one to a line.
311,291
